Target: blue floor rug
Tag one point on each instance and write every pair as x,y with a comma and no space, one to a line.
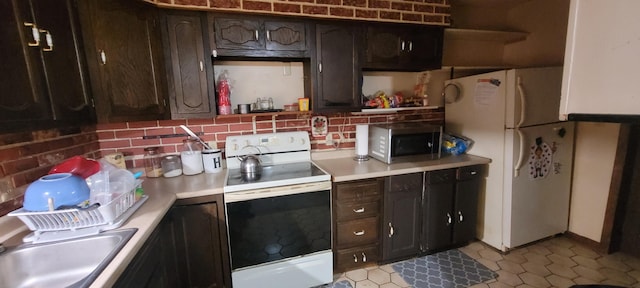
447,269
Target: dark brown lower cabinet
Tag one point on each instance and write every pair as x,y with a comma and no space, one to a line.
154,265
199,235
356,232
402,211
429,212
187,249
451,202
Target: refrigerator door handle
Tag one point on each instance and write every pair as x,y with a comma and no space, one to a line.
523,103
516,168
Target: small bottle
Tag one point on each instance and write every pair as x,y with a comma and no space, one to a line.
152,165
191,157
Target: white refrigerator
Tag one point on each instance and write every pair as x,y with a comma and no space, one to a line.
512,117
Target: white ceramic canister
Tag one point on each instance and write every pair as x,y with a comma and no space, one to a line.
191,157
212,159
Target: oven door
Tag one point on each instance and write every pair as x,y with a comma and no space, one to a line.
275,233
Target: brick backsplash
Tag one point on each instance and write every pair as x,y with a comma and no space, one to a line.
131,138
27,156
431,12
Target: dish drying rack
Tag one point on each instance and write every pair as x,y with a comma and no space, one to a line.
72,223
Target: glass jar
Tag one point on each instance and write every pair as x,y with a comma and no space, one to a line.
171,166
191,157
152,166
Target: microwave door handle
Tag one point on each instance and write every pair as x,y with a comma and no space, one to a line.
523,103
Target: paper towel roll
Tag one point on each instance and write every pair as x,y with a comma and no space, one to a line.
362,139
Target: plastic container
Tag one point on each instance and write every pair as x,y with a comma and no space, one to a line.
171,166
303,104
152,165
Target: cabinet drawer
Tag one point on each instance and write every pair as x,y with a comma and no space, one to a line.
404,183
358,189
470,172
356,210
441,176
358,232
349,259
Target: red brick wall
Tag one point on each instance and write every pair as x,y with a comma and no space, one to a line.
432,12
128,138
27,156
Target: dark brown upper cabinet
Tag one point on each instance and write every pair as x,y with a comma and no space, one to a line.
44,77
189,70
336,68
403,48
124,52
246,36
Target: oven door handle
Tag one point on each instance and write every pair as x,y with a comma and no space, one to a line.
247,195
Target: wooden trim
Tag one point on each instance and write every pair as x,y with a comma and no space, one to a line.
592,244
615,187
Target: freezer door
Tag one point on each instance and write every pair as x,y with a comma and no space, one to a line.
533,96
538,167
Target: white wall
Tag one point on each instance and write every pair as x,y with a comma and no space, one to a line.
595,152
282,81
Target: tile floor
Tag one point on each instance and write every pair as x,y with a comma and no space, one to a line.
557,262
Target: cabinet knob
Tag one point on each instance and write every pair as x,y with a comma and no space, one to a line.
460,217
257,38
35,33
449,219
361,210
48,39
201,66
390,230
358,233
268,35
355,258
410,46
364,257
103,57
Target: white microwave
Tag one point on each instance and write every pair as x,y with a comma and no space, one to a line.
404,141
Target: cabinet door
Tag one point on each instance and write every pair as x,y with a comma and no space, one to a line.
337,69
191,90
285,35
23,95
466,203
438,204
422,49
125,59
402,224
383,47
231,33
152,266
197,244
64,60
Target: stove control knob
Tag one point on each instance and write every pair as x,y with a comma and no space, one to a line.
246,143
235,146
291,140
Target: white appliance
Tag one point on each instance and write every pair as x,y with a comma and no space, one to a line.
279,221
511,116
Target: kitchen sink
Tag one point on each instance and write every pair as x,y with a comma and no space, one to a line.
69,263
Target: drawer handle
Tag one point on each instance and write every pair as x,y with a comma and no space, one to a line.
364,257
390,230
355,258
358,210
474,172
257,38
35,32
448,219
460,217
359,233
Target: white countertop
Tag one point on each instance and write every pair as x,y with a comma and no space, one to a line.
163,192
346,168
